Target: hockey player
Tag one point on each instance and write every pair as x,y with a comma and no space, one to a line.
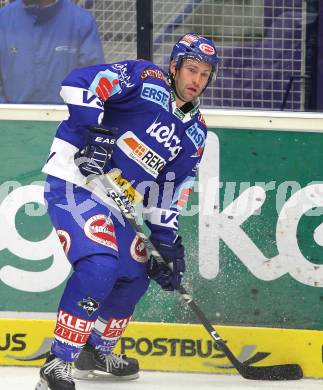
144,129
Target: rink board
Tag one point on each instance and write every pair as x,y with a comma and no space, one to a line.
241,270
176,347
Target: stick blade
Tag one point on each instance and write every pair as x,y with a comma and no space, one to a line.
273,373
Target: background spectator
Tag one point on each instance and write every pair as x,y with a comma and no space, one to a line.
41,42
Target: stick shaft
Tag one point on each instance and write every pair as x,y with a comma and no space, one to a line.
277,372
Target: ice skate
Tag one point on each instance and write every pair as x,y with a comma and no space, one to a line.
92,363
56,374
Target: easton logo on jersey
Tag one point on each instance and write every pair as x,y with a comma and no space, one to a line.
139,152
105,84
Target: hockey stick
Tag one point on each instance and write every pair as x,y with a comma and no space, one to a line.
275,372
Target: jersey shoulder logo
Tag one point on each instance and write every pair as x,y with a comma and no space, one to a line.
105,84
153,73
156,94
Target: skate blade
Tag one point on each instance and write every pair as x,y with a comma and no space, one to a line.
41,385
99,375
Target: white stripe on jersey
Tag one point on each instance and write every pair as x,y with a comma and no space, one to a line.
161,217
80,97
61,162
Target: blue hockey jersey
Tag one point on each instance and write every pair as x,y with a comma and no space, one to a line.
158,148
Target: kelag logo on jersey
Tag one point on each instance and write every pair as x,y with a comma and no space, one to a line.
155,94
165,135
135,149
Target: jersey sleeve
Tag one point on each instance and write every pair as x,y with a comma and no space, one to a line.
85,92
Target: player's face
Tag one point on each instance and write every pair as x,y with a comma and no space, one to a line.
191,79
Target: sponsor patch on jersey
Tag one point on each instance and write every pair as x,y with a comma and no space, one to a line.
154,73
155,94
196,135
100,229
165,135
64,239
138,250
71,329
89,304
113,328
105,84
124,76
139,152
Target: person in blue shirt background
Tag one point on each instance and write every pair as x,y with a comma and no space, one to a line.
41,42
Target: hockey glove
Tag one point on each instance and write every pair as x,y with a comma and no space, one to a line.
95,156
169,274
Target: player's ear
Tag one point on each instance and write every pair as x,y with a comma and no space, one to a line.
172,67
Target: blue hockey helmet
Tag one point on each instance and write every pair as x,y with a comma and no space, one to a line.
195,46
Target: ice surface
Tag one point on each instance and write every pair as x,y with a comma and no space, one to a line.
25,378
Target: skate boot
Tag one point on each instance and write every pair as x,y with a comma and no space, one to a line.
92,363
56,374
